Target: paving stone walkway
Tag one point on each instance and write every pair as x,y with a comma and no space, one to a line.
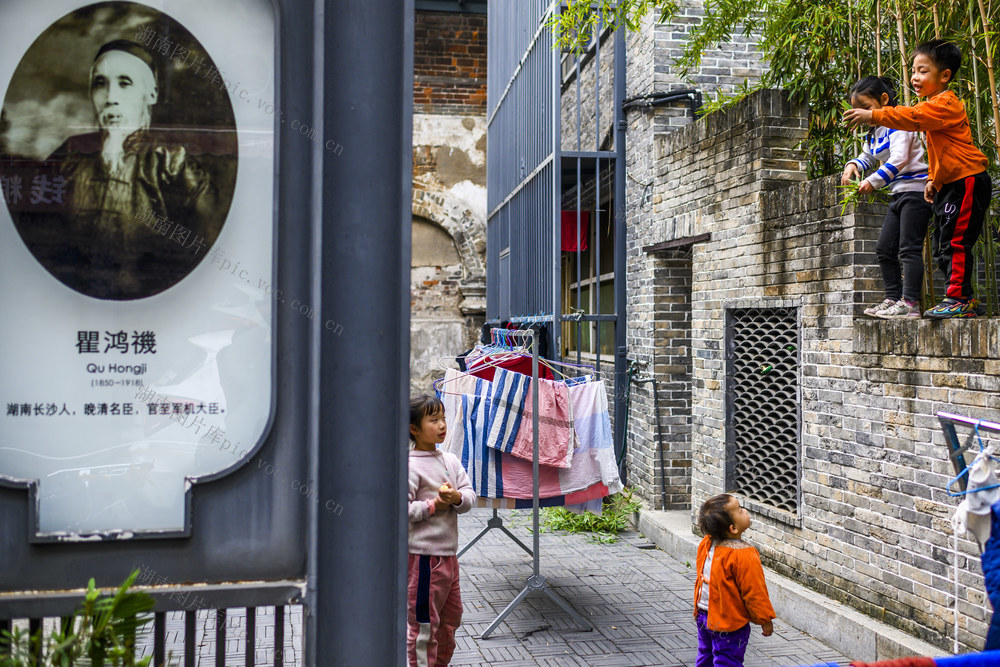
637,597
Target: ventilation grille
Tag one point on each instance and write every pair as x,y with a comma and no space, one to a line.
763,432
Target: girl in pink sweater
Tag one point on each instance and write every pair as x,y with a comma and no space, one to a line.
440,490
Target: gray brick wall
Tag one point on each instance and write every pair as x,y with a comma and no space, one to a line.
659,317
872,527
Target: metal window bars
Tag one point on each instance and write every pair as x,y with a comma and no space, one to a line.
530,172
762,405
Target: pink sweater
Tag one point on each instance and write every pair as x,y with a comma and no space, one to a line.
435,533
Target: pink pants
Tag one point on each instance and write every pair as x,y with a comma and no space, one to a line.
433,609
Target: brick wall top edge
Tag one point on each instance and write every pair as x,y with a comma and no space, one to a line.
961,338
759,104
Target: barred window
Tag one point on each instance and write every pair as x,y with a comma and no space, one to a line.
762,415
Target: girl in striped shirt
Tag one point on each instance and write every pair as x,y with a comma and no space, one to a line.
904,170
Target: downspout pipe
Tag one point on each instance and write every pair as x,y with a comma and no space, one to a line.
659,437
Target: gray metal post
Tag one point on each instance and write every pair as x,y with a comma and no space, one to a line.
360,552
535,409
621,319
556,110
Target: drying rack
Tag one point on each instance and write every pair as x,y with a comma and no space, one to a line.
957,452
957,449
537,581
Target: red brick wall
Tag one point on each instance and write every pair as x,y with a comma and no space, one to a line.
449,63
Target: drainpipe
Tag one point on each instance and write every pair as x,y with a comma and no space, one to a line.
659,434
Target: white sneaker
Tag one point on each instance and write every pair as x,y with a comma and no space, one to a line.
871,310
899,311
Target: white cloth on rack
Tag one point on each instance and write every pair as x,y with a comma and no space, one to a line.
595,454
498,475
455,384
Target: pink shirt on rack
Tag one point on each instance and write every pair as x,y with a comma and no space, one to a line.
433,532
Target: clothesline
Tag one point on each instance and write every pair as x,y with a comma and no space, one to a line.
491,435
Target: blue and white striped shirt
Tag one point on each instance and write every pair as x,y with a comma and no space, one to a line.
904,166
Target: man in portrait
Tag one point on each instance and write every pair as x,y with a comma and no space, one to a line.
126,210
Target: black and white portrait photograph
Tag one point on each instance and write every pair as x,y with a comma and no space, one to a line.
118,151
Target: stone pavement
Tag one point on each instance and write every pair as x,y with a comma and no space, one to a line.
637,597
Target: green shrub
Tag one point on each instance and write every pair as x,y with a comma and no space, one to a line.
101,632
617,511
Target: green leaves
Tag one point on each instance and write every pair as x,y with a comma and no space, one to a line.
852,196
574,26
102,631
604,529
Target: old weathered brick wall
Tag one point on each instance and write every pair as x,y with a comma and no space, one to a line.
449,63
688,173
877,468
448,284
871,528
722,68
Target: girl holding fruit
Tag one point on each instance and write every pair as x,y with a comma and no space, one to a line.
440,490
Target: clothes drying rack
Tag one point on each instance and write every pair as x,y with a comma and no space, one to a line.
537,581
957,449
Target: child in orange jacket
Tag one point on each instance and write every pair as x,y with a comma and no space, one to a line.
957,183
730,592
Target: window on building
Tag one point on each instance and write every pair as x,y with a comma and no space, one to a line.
588,277
762,417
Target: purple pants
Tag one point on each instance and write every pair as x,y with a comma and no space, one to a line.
720,649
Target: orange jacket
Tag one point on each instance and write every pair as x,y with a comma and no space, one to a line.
737,594
951,155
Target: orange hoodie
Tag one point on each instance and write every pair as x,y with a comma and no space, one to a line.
951,155
737,593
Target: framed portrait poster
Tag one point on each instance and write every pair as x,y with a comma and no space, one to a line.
136,256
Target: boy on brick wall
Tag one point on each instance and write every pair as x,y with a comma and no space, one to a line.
958,186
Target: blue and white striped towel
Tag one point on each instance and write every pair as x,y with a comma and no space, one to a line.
506,408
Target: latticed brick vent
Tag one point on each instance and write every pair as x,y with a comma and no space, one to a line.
761,407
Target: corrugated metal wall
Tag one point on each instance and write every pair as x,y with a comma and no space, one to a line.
520,172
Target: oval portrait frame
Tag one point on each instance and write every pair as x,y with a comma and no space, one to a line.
110,213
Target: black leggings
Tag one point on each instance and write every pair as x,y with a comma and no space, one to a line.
901,243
